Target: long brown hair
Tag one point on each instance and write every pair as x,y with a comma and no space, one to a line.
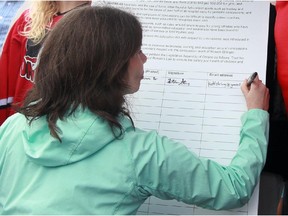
83,64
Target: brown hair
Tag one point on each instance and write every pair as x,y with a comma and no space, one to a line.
83,63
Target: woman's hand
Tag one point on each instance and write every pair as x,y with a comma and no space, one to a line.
257,95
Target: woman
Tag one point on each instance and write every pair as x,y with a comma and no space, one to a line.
77,149
21,47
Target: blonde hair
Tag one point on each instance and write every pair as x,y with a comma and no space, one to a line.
40,19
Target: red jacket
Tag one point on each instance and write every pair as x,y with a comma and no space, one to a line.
281,41
17,61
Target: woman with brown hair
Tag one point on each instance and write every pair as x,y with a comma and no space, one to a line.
73,148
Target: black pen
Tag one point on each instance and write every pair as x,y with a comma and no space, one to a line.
251,79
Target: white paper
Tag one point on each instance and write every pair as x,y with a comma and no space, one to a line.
199,53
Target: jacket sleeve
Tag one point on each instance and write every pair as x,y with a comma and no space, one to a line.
10,63
168,170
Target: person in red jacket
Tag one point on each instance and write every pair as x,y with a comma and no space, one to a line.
275,173
281,41
21,47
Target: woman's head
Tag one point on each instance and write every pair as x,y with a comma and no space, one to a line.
85,61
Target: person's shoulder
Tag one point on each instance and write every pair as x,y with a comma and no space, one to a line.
20,21
14,119
24,16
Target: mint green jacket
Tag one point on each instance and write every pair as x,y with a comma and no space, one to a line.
91,172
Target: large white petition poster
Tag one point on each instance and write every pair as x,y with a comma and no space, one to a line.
199,52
